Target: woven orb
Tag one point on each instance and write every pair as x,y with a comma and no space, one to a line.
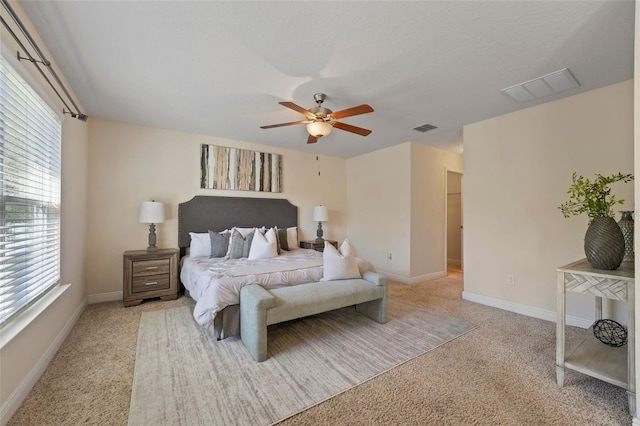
610,332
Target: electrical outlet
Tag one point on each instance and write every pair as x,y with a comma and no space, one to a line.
511,279
390,256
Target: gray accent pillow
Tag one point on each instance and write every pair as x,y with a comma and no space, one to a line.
282,239
239,246
219,244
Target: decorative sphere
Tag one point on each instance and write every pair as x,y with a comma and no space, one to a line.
610,332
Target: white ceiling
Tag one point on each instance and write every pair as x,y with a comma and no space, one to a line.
220,68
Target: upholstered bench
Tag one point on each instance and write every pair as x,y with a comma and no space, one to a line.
260,308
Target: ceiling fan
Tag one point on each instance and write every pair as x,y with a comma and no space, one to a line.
320,121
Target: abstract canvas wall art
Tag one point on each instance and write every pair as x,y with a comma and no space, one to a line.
222,167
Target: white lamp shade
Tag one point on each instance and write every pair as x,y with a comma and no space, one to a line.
319,128
320,214
152,212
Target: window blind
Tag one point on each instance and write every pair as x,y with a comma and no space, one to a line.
30,148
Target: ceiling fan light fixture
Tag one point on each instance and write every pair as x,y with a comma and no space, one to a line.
319,128
321,121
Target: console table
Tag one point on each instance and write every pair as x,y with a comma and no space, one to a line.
589,355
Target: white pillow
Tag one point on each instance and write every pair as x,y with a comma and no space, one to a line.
278,242
339,265
200,245
292,238
264,246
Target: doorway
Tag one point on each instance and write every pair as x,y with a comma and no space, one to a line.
454,229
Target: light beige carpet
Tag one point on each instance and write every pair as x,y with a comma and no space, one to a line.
184,376
502,373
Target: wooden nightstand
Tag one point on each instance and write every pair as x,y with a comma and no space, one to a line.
317,246
150,274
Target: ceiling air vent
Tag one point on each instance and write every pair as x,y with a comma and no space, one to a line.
425,128
540,87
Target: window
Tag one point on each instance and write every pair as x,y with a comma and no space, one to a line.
30,145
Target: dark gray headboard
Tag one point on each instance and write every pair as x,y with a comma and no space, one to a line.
203,213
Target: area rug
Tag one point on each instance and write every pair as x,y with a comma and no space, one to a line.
184,376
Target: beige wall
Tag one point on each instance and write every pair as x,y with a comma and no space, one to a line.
130,163
26,354
517,170
379,208
396,203
428,209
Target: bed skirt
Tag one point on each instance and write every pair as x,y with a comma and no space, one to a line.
227,322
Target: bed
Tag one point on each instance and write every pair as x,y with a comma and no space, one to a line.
215,284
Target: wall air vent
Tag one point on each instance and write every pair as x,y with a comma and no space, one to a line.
425,128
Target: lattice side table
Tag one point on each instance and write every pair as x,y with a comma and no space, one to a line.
615,365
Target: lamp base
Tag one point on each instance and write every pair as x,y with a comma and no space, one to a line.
319,233
152,238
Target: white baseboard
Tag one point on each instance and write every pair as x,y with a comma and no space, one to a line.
525,310
413,280
635,421
454,262
105,297
19,394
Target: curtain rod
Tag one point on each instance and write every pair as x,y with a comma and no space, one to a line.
43,60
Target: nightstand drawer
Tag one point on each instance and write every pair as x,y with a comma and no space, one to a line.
151,267
151,283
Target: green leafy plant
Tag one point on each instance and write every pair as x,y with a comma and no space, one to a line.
592,197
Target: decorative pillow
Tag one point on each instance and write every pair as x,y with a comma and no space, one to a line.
200,245
292,238
339,265
245,231
263,246
239,245
282,239
278,247
219,243
229,233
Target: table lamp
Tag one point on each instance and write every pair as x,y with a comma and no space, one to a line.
320,214
152,212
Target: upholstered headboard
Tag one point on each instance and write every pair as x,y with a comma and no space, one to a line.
203,213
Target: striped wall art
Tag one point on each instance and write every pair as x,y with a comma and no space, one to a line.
239,169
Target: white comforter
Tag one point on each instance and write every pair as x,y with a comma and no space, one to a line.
215,283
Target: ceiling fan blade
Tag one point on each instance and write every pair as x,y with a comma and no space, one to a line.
271,126
360,109
353,129
312,139
298,108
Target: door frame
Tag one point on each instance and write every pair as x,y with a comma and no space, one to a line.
446,216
